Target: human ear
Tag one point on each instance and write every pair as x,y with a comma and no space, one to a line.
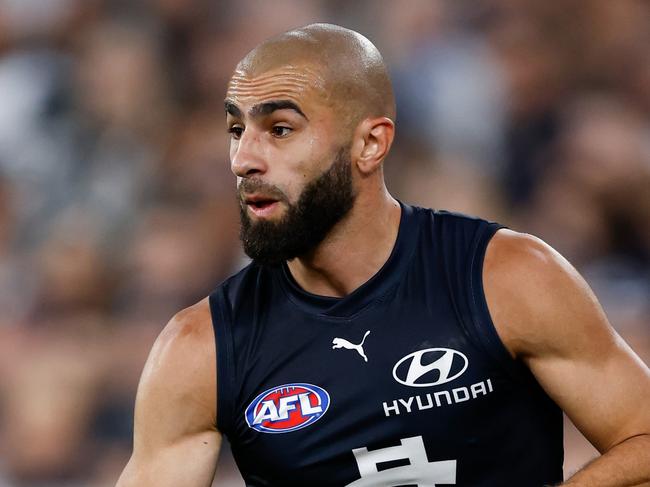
373,140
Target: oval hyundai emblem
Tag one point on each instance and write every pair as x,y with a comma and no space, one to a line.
286,408
430,367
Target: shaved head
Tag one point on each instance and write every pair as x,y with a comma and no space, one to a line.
344,65
310,116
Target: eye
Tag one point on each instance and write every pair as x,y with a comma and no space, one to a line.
281,131
235,131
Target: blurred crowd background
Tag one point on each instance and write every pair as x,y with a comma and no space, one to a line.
117,206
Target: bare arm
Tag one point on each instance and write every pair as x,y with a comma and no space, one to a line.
548,317
175,439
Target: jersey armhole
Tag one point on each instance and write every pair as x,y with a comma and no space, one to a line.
486,332
224,363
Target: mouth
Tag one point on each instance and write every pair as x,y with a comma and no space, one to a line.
260,205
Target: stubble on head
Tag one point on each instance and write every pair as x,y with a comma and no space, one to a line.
342,65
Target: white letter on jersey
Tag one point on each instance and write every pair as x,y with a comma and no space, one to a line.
420,472
286,405
305,406
267,411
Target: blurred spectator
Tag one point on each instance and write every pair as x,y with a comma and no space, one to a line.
597,192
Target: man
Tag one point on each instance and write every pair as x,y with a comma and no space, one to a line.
371,343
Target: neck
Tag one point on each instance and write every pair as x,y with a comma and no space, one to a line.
354,251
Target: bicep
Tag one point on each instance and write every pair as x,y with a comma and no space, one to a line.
188,461
175,437
550,319
601,385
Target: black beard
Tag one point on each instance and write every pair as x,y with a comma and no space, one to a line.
321,205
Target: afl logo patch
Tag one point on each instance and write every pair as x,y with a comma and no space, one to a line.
430,367
286,408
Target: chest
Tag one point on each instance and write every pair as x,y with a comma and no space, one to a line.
343,399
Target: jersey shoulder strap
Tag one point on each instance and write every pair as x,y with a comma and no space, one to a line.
237,297
461,242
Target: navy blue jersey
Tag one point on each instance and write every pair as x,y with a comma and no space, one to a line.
403,382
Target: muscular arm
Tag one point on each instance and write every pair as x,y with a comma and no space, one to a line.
548,317
175,438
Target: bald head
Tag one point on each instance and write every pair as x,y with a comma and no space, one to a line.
310,116
344,65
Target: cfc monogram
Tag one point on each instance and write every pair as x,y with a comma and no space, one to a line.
419,471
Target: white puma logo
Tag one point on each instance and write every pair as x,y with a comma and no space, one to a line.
343,343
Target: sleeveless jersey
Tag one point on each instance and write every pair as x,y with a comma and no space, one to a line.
403,382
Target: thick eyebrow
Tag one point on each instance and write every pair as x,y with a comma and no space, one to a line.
264,109
269,107
232,109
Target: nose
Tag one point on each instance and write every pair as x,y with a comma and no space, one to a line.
246,155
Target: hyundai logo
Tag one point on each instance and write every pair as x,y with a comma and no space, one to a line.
430,367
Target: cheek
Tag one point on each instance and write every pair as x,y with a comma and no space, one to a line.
315,156
292,183
293,188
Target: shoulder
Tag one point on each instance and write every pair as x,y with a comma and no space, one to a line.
182,364
509,253
537,300
189,328
523,263
175,407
